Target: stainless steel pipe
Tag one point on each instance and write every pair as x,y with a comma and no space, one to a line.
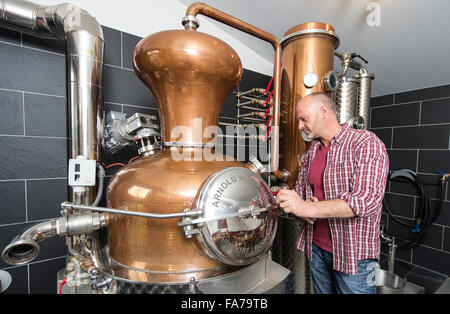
66,205
24,248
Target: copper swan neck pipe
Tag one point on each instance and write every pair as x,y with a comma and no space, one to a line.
206,10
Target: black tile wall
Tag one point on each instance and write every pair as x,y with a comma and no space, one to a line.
11,111
385,135
252,79
401,205
444,216
129,42
415,126
38,121
423,94
401,159
32,157
432,161
130,110
113,46
26,69
422,137
124,87
446,240
44,198
35,141
405,186
407,114
432,259
435,111
229,108
49,45
12,202
382,100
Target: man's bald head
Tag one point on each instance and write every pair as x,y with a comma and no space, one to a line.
320,99
316,115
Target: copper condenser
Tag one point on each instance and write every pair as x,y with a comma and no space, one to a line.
308,55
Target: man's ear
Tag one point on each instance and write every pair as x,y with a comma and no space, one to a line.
323,110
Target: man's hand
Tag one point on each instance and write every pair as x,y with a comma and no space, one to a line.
291,202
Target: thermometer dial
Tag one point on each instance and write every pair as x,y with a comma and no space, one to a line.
310,79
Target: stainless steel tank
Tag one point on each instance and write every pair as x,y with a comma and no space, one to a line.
346,98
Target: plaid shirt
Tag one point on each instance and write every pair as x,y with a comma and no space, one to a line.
356,172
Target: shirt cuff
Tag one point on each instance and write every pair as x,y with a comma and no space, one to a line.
354,203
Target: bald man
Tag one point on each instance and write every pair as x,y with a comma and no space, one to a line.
339,195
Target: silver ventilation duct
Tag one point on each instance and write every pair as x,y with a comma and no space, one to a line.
85,51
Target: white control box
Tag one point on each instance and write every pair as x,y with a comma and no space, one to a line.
82,172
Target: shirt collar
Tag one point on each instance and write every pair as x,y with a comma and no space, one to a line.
340,136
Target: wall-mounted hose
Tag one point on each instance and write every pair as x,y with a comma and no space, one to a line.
424,218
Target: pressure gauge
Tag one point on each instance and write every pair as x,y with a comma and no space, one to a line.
310,79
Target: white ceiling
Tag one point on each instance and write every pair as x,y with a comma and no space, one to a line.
409,50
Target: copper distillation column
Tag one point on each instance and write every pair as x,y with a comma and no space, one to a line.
308,53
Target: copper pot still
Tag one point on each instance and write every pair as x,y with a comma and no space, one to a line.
190,74
307,67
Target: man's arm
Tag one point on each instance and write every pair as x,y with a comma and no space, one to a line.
291,202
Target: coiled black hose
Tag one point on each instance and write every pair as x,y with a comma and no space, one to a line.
424,218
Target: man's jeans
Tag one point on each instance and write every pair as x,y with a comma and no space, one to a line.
326,280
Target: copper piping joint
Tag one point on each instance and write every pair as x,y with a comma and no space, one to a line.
190,22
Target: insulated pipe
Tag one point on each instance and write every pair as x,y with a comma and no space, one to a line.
85,50
191,23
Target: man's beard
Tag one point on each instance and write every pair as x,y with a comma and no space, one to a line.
307,138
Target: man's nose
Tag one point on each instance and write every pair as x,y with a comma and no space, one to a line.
300,125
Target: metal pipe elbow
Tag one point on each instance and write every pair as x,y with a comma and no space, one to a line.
47,21
24,247
65,18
